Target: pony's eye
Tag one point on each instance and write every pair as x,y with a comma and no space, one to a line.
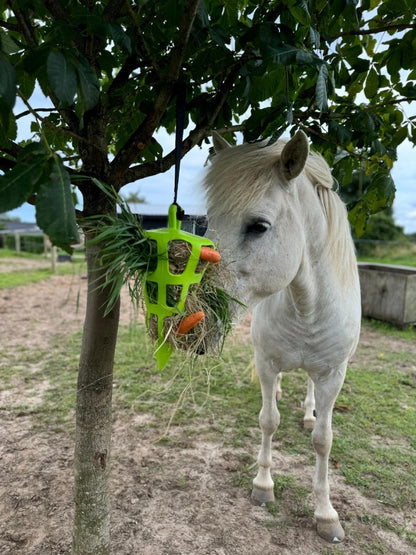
257,228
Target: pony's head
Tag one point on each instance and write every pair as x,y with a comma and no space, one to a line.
268,209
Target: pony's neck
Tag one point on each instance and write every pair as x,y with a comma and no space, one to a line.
305,294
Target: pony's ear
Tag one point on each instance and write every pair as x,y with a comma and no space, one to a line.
219,142
294,156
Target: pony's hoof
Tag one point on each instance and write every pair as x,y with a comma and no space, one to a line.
309,424
262,496
330,530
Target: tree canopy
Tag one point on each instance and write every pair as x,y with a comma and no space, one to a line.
342,70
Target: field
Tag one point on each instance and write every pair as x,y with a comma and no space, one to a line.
185,440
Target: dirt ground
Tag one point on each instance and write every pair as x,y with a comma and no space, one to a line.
167,500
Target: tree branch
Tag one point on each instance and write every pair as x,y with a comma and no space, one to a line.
323,137
9,26
11,149
31,111
381,29
164,164
6,164
147,56
57,10
187,21
44,121
25,25
123,75
391,102
161,166
113,9
195,136
139,139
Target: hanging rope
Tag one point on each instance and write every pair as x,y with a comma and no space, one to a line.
180,119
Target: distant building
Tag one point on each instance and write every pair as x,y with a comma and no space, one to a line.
10,227
155,216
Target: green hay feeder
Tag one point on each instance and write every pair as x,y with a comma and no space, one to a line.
180,265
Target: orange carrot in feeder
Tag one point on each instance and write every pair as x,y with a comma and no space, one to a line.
209,255
190,322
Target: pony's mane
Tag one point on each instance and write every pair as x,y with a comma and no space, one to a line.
249,170
238,177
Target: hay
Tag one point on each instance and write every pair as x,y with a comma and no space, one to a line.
208,335
128,256
179,252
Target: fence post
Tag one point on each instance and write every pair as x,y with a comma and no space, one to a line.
17,242
46,245
53,257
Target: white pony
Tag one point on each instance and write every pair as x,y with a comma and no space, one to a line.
284,234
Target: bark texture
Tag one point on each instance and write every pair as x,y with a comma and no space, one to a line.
91,532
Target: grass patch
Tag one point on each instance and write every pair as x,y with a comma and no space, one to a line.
9,280
386,524
399,261
49,376
292,494
398,254
379,458
385,328
23,277
374,436
406,260
217,394
8,253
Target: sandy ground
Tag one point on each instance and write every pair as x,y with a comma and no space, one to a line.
167,500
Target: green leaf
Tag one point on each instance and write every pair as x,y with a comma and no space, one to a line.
259,120
20,182
300,12
380,193
394,64
371,84
320,89
89,87
7,82
26,84
378,196
8,126
315,37
17,185
358,217
286,54
341,133
62,78
7,44
120,37
55,212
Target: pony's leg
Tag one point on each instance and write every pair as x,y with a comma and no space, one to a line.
269,419
327,389
279,386
309,405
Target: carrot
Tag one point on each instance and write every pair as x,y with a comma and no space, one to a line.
209,255
190,322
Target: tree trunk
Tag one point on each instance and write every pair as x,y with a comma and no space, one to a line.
91,532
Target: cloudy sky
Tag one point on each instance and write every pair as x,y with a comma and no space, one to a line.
158,190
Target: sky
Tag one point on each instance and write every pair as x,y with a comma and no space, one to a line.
158,190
